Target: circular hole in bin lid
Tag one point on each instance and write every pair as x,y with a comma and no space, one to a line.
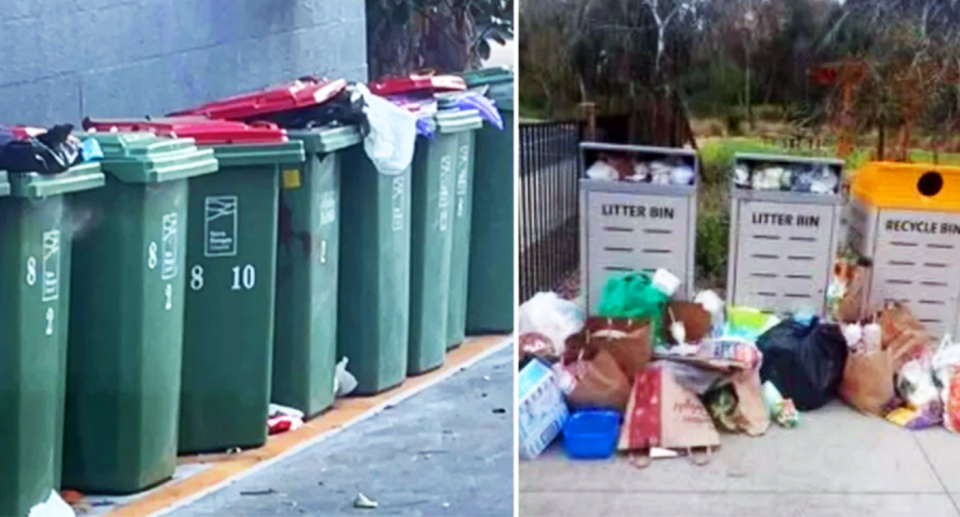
930,184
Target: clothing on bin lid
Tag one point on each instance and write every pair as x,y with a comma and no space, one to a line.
426,127
416,82
298,94
203,131
49,151
344,109
486,107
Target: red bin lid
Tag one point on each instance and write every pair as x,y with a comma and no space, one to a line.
290,96
416,83
203,131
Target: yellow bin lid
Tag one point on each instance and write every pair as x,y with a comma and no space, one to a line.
911,186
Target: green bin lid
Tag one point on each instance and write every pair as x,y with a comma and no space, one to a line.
456,120
285,153
4,184
326,140
500,81
147,158
33,185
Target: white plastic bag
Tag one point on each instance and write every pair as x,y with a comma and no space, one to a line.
600,170
946,369
553,317
54,506
343,382
393,134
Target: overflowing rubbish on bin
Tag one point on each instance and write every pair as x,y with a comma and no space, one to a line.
626,167
44,151
680,374
793,176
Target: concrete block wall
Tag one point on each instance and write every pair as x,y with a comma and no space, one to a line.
61,60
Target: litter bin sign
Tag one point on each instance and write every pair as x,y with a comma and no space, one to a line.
638,212
906,218
784,227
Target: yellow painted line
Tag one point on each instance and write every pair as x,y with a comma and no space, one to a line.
345,411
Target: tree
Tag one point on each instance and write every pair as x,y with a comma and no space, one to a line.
405,36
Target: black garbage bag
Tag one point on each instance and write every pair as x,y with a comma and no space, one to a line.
52,152
805,362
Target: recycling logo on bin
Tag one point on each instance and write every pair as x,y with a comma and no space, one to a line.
220,226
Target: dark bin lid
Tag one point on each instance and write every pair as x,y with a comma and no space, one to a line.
203,131
287,97
414,83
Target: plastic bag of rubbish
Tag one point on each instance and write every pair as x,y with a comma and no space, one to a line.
681,175
393,134
601,170
54,506
805,361
946,368
741,176
343,381
552,318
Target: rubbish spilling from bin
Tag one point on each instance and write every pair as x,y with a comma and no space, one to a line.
679,376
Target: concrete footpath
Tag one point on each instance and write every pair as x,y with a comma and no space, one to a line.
837,462
447,450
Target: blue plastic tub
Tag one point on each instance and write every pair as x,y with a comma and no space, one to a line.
591,434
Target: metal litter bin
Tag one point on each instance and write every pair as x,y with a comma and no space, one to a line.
628,226
906,218
305,343
127,305
36,230
487,218
782,242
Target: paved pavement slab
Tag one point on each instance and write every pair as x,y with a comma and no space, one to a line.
445,451
838,462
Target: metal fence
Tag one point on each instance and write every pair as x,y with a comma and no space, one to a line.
549,204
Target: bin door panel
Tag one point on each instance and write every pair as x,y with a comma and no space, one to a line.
917,260
634,232
783,256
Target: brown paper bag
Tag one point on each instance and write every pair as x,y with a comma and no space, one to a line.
867,382
628,341
661,413
595,381
854,278
696,321
903,335
752,416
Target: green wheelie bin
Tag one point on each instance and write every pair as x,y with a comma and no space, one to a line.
373,307
305,342
36,229
231,282
127,306
490,301
436,167
232,265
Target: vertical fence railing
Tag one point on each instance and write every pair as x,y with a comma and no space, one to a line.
549,204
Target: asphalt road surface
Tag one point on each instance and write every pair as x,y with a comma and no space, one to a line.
445,451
